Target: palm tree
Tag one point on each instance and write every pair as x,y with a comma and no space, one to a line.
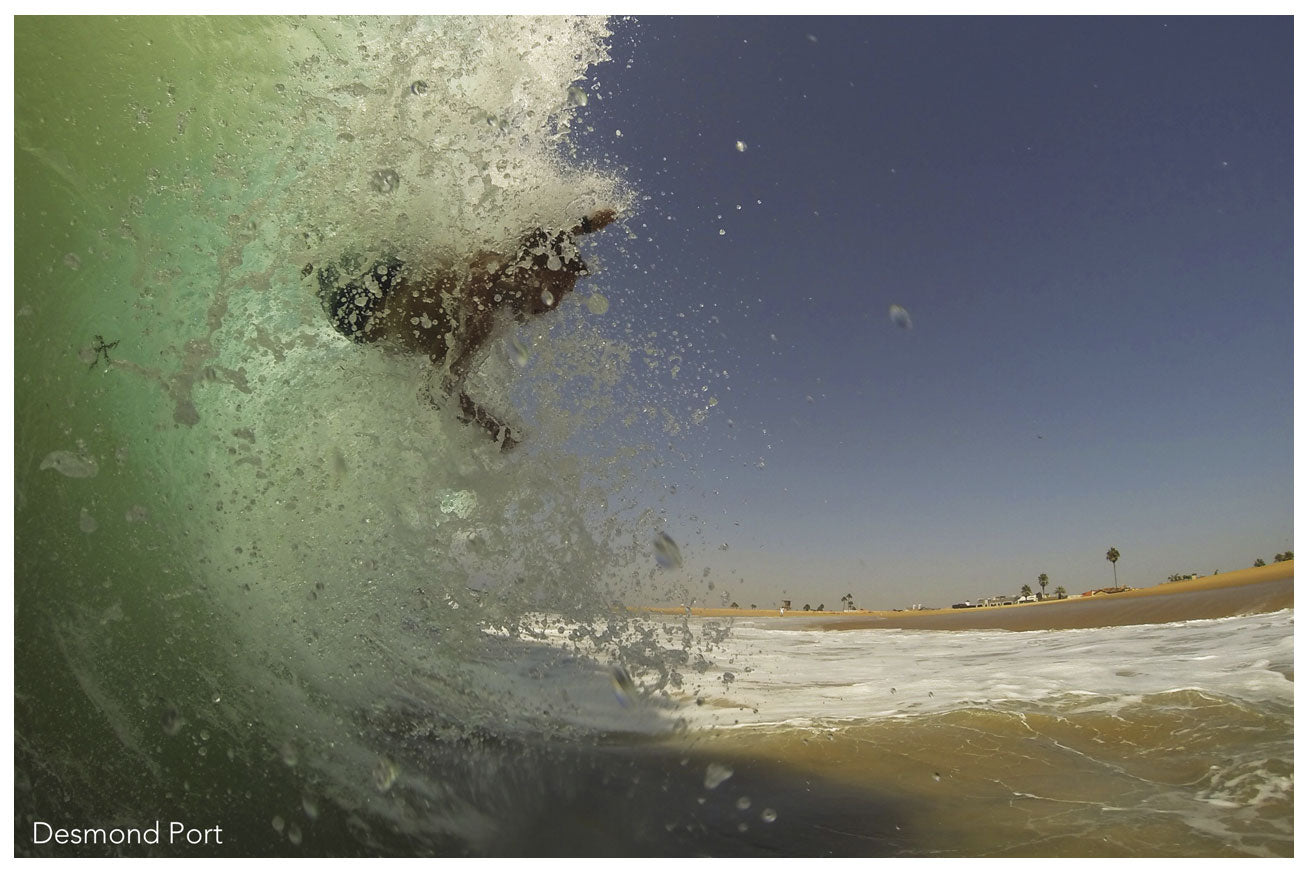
1060,592
1025,590
1042,581
1113,555
1260,562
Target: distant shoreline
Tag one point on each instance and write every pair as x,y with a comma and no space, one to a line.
1251,590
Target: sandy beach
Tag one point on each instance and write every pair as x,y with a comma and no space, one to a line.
1251,590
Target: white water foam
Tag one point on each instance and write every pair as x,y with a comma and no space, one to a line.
765,673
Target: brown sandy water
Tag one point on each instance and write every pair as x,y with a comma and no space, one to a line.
1179,774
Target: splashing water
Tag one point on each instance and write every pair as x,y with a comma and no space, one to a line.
295,551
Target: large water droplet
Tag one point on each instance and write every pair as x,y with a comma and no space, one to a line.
716,774
419,87
899,316
768,814
597,305
171,721
547,298
667,554
385,181
385,774
518,354
577,96
624,688
459,502
70,464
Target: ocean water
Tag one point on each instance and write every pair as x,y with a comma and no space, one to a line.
1173,739
259,586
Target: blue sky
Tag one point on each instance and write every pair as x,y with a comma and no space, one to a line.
1090,224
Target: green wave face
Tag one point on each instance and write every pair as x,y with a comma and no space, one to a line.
241,540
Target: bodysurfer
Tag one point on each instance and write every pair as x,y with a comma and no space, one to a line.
449,313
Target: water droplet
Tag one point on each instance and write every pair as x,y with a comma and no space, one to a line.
419,87
722,232
518,354
716,774
624,688
768,815
937,777
548,299
72,262
458,502
667,554
310,806
294,835
744,803
899,316
87,522
741,146
385,774
385,181
136,513
278,824
171,721
597,305
289,754
577,96
729,677
70,465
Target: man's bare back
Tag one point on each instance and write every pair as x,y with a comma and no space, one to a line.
448,314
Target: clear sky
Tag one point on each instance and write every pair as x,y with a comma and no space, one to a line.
1089,222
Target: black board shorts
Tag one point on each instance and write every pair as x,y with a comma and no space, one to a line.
355,305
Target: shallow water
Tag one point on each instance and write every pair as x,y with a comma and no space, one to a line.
259,585
1171,739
